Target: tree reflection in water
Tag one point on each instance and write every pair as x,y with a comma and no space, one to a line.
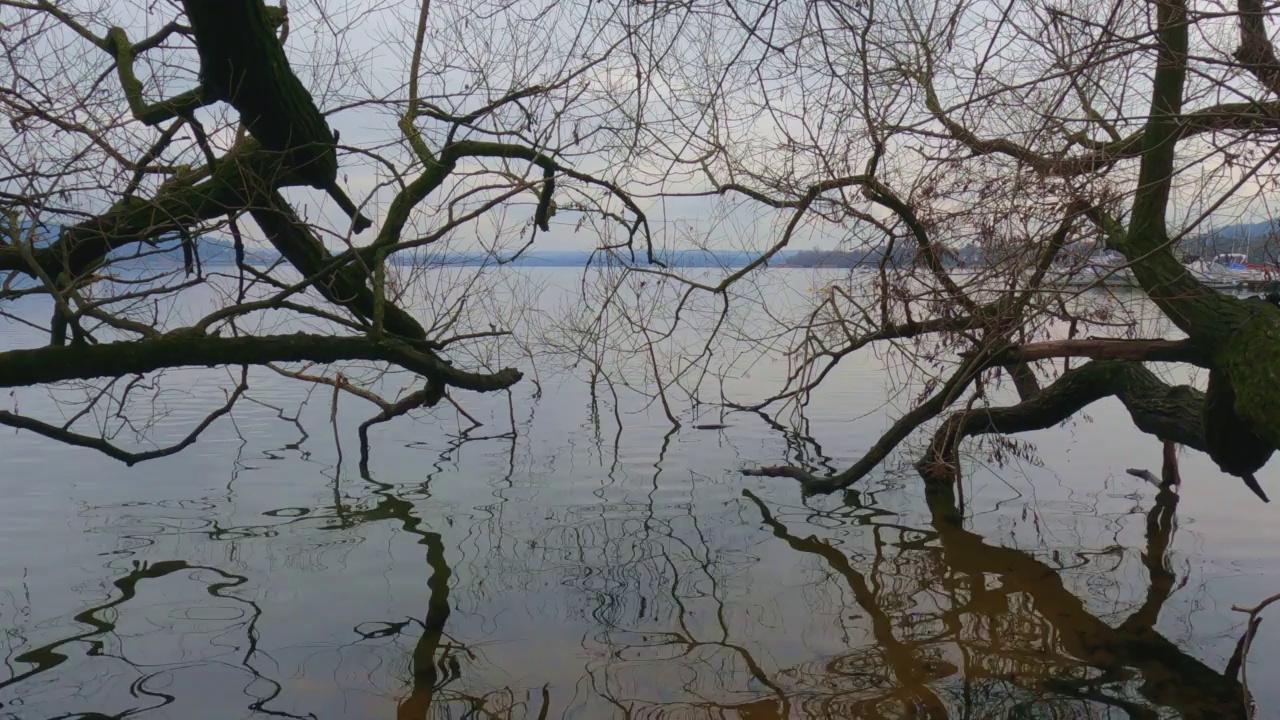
939,622
1028,646
99,640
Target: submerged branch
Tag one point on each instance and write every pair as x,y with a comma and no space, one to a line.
426,397
1102,348
1173,413
900,430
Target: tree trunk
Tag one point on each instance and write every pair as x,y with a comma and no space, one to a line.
243,64
1239,338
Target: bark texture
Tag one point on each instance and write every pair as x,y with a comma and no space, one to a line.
180,349
1173,413
243,64
1169,412
1239,338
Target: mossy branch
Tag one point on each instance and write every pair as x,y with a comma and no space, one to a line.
52,364
125,53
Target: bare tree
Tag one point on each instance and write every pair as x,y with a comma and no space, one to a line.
908,131
142,134
1025,135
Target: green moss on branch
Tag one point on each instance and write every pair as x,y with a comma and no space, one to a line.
243,64
81,362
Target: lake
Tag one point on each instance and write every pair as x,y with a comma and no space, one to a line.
551,564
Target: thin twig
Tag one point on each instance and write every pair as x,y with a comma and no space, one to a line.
1254,620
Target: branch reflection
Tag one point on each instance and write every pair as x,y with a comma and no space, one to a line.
1026,646
665,594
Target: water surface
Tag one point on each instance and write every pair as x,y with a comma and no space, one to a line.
565,567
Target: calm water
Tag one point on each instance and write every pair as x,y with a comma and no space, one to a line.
565,567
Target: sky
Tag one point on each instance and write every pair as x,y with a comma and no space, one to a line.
643,107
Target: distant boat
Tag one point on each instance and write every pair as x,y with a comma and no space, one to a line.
1228,270
1104,269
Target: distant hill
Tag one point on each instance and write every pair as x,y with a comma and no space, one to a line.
581,258
1256,240
903,254
848,258
216,251
212,250
1260,241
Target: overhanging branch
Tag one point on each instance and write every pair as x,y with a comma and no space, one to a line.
81,362
1173,413
1101,348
